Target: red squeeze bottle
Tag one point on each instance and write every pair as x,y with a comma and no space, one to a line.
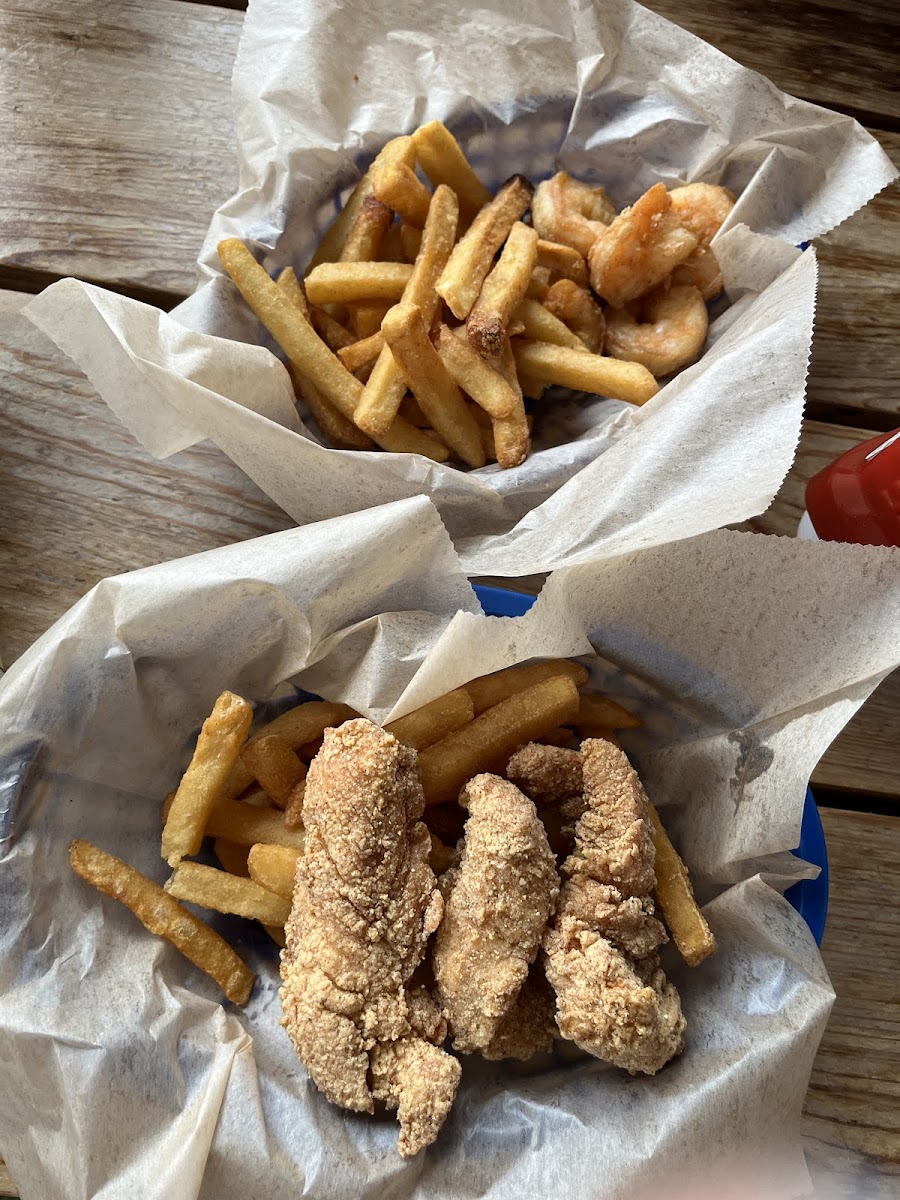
857,497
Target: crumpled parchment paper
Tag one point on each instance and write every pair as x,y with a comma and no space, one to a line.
123,1074
611,92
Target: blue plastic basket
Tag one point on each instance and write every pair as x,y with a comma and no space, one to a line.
810,896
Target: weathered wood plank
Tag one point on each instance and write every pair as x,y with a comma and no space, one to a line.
855,359
117,137
840,53
852,1114
82,500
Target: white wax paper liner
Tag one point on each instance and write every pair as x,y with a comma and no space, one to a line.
123,1074
613,93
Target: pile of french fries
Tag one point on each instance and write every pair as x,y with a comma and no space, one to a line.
246,794
426,318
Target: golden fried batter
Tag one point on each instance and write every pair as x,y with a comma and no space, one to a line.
497,906
551,776
365,902
612,998
529,1026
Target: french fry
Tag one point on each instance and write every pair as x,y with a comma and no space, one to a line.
428,724
366,317
556,737
290,285
600,731
234,859
539,283
409,409
441,857
386,386
532,389
489,690
443,161
392,245
512,434
341,282
482,420
675,897
473,255
232,856
486,386
247,825
363,352
600,710
342,433
562,260
399,149
297,726
274,868
161,914
585,372
293,810
306,352
542,326
211,888
580,311
434,388
501,292
487,442
399,188
275,766
221,738
490,739
366,235
335,335
411,241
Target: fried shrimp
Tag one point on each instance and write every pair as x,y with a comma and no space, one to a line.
573,213
700,270
702,208
577,308
642,246
665,333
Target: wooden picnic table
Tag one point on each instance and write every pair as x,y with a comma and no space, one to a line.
118,145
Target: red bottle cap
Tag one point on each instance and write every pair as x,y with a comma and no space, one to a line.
857,497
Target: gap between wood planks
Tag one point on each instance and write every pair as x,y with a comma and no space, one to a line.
859,802
24,279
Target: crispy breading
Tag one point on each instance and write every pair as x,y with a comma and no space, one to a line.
612,998
498,901
364,905
551,776
529,1026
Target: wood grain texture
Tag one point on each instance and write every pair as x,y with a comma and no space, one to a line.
852,1114
855,367
117,137
840,53
82,500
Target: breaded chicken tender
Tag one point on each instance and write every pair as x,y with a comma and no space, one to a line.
364,905
551,776
612,998
529,1026
497,904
